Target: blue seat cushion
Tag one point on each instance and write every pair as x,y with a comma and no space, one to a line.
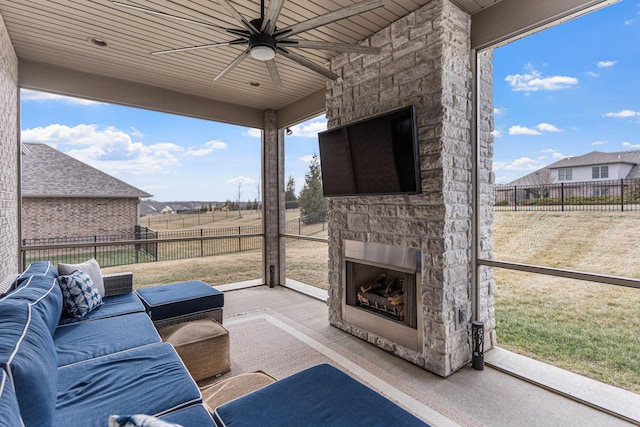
45,296
177,299
80,341
318,396
192,416
27,353
148,380
9,409
114,305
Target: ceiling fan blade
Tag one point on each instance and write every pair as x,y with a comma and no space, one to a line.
307,63
271,17
235,14
273,71
204,46
328,18
167,16
338,47
232,65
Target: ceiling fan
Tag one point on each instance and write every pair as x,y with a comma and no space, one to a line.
264,40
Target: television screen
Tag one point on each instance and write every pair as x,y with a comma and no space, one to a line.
373,156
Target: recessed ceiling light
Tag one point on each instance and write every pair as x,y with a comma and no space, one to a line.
98,42
254,84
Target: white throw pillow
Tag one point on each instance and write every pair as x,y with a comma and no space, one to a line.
138,420
90,267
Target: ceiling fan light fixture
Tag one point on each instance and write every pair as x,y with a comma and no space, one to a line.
263,53
262,47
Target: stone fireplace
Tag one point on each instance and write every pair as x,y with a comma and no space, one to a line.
426,62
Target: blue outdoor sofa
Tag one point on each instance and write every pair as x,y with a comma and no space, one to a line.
57,371
60,371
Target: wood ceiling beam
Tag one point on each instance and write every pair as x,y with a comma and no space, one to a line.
511,19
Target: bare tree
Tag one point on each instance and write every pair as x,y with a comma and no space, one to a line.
239,196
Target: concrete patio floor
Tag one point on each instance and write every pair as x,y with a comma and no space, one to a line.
500,395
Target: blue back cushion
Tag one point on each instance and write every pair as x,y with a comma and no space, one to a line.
44,294
39,268
9,409
27,353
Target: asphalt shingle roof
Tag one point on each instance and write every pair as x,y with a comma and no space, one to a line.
599,158
47,172
542,176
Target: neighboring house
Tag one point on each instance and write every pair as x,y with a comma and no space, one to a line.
592,174
64,197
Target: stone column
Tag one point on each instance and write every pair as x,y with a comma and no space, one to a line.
273,199
425,61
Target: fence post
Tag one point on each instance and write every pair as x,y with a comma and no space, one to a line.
622,194
299,226
239,240
201,242
515,198
95,248
562,195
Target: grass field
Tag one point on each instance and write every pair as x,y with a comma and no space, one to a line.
588,328
585,327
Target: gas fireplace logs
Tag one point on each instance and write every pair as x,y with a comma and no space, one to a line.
384,294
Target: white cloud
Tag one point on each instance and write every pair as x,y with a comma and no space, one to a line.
309,129
521,130
241,180
496,133
108,149
208,148
592,74
533,81
520,164
623,114
598,142
546,127
554,154
253,132
307,158
498,111
135,132
606,64
33,95
630,145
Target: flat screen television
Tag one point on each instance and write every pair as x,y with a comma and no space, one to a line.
374,156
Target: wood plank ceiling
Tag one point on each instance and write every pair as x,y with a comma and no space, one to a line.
60,33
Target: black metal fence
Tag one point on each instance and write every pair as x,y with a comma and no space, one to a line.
143,245
607,195
307,225
147,245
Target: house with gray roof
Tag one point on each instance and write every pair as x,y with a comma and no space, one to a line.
592,174
64,197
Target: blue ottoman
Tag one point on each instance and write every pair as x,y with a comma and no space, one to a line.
318,396
180,302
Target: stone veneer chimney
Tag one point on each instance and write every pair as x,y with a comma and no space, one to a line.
426,62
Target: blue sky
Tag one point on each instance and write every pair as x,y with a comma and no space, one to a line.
175,158
567,91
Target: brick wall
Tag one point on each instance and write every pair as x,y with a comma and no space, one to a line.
8,155
69,217
425,61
